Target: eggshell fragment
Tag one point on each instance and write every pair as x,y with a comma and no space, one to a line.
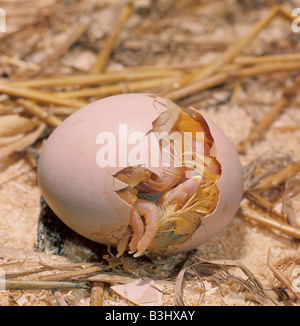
83,195
141,292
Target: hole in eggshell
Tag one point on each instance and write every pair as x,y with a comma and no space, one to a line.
182,203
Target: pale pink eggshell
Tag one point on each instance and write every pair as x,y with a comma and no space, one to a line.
79,192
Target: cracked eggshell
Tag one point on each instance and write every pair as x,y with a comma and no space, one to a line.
82,194
230,185
79,192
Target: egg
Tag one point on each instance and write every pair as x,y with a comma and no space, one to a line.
140,173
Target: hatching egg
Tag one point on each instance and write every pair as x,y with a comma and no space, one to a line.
142,174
